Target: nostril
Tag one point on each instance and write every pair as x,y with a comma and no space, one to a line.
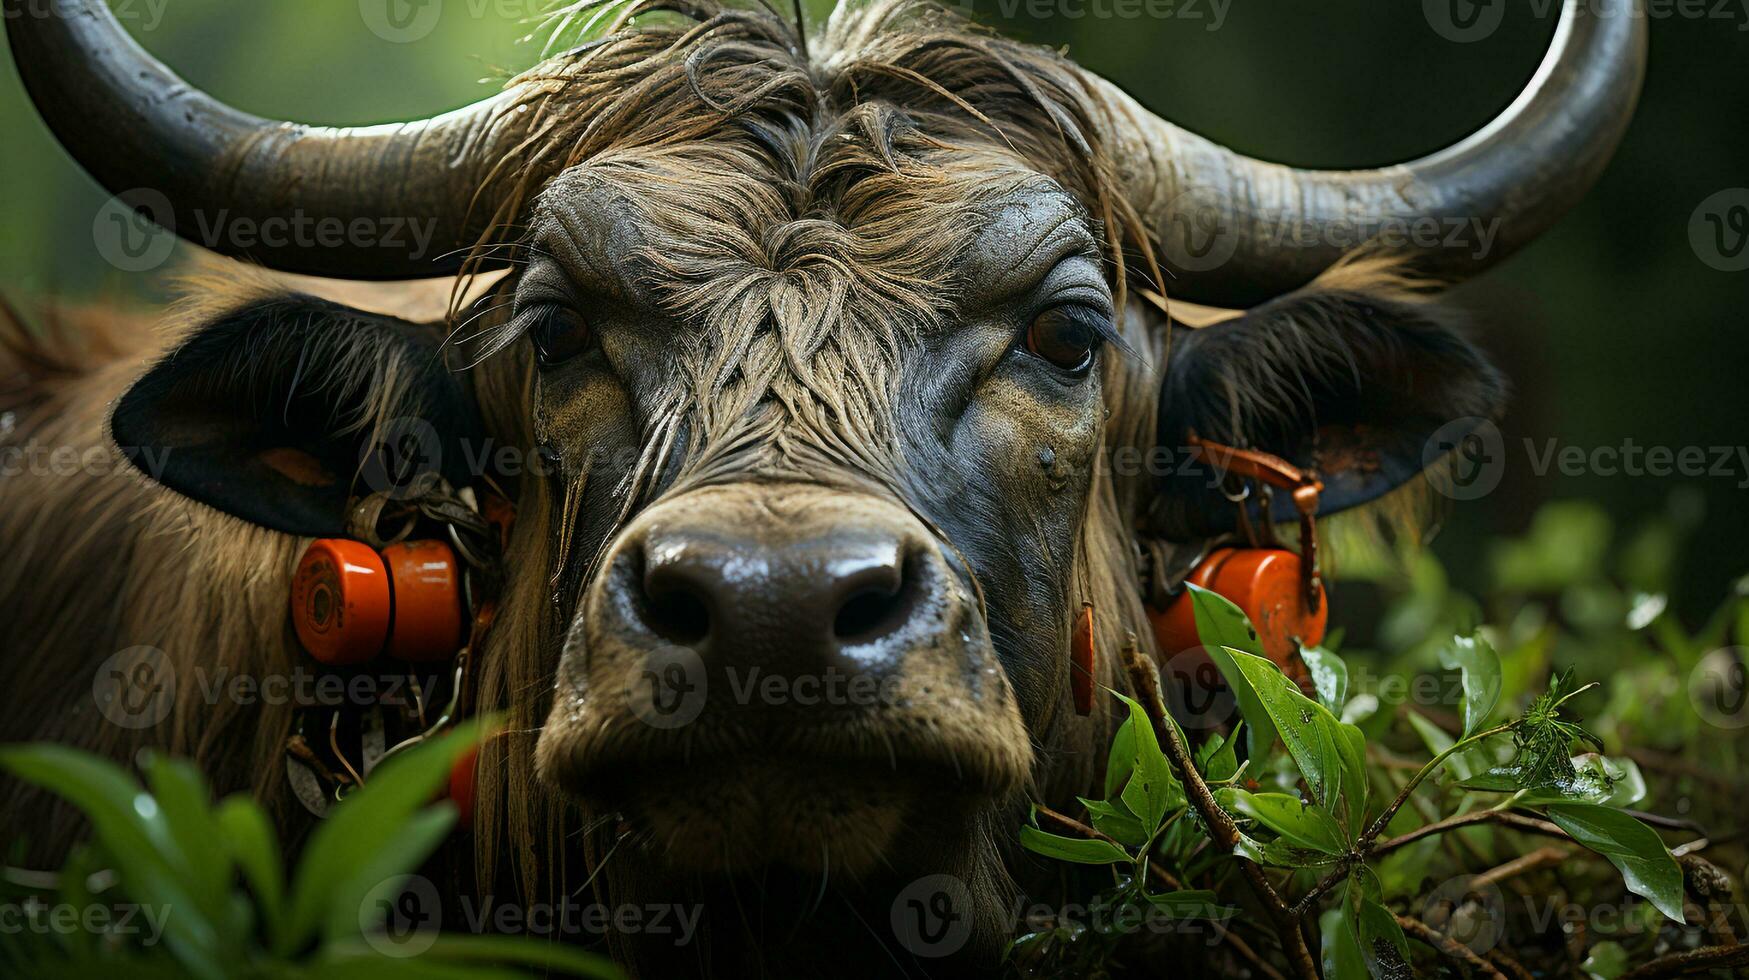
679,617
673,607
875,610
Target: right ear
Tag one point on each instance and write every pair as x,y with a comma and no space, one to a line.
281,409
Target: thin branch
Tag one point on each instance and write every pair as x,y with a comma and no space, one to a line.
1675,764
1251,956
1146,682
1505,963
1519,865
1448,947
1692,961
1384,819
1516,821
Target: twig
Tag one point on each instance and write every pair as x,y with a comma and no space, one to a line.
1448,946
1251,956
1064,822
1363,845
1667,823
1516,821
1517,866
1692,961
1652,759
1505,963
1146,682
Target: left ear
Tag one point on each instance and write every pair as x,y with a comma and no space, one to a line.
282,408
1348,378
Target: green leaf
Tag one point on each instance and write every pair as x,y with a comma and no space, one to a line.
1376,931
1341,953
248,837
366,823
418,837
131,828
1121,759
1218,756
1152,790
1634,848
1072,849
1480,665
518,951
1605,961
1192,904
1116,821
1330,755
1222,626
1598,779
1329,676
1293,821
184,802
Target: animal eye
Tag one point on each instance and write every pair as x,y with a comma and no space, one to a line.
558,336
1066,336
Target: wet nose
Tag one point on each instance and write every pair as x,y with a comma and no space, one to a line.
796,593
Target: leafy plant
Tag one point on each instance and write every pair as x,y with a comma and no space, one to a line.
214,876
1350,819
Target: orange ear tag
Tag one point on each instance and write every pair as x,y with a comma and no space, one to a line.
1081,661
349,602
1266,584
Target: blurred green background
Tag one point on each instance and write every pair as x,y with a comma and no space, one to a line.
1611,328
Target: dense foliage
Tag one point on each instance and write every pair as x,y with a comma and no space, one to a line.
1505,786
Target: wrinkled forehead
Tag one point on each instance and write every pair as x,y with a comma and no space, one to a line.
669,230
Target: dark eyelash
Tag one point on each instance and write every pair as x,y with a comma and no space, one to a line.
1102,325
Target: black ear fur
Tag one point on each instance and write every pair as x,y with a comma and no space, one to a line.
1342,379
275,411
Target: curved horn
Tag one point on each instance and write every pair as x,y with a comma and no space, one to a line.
1237,231
372,202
